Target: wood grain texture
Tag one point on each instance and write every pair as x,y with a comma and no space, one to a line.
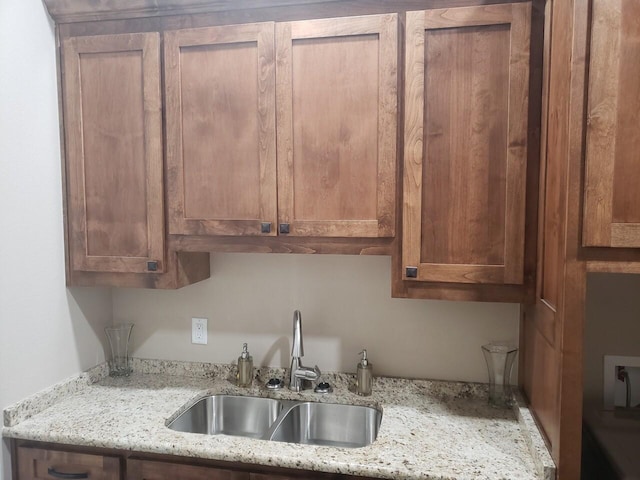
612,197
34,463
182,269
152,470
283,244
552,340
221,164
114,164
337,120
466,117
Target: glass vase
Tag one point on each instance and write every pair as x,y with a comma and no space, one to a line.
500,358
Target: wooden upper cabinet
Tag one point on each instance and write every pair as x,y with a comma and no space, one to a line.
221,137
113,129
612,179
465,144
337,126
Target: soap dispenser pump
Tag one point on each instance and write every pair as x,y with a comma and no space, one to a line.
245,368
364,376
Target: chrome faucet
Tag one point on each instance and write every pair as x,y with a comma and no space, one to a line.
298,373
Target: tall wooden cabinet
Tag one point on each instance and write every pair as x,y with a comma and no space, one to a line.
465,144
113,127
612,157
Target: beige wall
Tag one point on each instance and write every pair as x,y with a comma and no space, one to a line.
47,332
612,325
346,305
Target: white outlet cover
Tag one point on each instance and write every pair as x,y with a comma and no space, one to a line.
613,389
199,331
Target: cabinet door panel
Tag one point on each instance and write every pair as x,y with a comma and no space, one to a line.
466,87
36,464
220,85
337,107
612,196
113,125
152,470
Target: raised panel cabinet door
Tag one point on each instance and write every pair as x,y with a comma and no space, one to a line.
612,178
114,157
337,126
221,137
40,464
154,470
465,144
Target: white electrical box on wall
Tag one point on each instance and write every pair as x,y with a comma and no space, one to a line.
621,382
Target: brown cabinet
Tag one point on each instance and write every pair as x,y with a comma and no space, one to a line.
465,144
112,108
337,118
113,129
330,85
37,463
221,132
154,470
612,177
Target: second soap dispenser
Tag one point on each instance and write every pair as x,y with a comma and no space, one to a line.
245,368
364,376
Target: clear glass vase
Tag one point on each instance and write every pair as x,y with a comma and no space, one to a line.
500,358
119,336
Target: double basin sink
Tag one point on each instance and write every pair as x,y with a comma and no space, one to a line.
311,423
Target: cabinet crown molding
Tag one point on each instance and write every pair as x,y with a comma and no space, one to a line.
70,11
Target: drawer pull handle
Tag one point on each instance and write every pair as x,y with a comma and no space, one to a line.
67,476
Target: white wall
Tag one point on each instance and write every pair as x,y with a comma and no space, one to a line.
47,332
346,305
612,326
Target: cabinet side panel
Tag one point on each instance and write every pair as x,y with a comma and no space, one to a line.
114,153
465,142
626,174
335,127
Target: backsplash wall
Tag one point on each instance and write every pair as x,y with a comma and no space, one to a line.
346,305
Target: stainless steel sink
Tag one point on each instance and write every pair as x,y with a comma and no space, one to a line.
229,415
347,426
328,424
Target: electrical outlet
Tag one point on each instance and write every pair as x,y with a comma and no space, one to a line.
199,331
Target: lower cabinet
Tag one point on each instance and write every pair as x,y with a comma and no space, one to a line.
152,470
33,461
38,463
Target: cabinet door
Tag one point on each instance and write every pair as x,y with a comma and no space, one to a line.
152,470
337,109
612,192
221,139
113,129
36,464
465,144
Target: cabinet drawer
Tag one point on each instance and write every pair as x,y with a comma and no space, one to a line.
36,463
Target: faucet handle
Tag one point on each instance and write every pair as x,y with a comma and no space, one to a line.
309,374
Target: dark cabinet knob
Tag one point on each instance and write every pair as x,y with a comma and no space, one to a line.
265,227
152,266
411,272
284,228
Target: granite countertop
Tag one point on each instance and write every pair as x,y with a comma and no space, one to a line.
429,429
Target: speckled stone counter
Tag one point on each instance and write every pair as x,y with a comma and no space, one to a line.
429,430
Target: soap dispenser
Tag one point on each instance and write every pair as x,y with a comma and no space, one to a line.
245,368
364,376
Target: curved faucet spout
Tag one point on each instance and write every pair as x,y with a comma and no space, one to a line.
298,372
297,349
